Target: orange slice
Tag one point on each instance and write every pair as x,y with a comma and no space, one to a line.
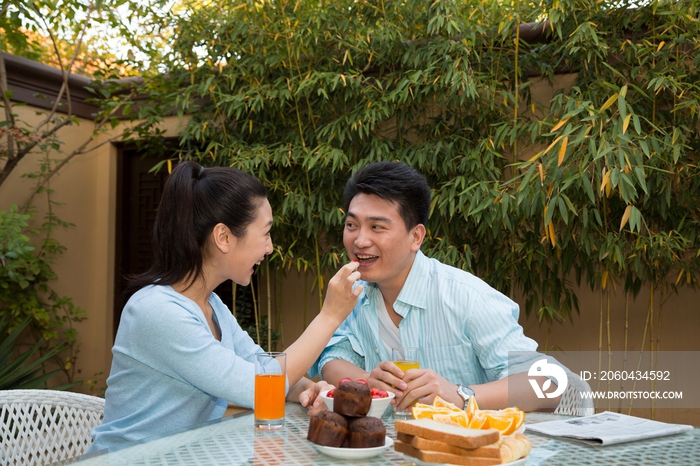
455,417
518,419
478,422
506,420
440,403
422,411
471,407
500,423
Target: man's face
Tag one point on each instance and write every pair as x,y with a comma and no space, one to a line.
376,235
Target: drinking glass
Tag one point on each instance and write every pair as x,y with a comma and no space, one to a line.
270,382
268,448
405,357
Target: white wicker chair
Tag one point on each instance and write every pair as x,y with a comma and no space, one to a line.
44,426
572,403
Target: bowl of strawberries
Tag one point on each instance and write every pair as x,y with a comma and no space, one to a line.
381,399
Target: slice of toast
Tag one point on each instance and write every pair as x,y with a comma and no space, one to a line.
442,457
420,443
448,433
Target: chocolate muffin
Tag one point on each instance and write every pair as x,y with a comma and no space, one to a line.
352,399
366,432
328,428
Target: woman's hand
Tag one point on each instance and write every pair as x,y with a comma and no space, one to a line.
310,398
341,298
339,302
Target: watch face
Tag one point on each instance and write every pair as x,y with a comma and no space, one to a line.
465,392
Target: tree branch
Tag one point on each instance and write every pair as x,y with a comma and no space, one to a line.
11,158
65,72
80,150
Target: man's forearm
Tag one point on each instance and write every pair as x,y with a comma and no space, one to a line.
514,390
337,369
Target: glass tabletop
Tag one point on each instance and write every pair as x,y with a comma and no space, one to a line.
234,441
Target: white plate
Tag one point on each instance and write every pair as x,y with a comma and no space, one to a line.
355,453
411,459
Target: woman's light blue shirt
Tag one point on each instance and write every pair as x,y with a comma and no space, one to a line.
169,372
463,327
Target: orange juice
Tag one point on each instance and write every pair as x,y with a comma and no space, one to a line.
269,396
406,365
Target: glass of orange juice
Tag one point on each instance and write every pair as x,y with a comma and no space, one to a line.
270,384
406,358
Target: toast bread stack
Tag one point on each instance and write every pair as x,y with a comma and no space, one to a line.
437,442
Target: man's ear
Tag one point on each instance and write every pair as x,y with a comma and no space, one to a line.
222,238
418,235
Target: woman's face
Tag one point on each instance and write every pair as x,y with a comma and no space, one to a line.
251,249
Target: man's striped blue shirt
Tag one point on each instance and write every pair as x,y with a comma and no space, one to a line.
463,327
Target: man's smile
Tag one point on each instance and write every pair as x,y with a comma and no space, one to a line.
366,259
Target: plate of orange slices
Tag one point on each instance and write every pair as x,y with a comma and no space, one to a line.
507,421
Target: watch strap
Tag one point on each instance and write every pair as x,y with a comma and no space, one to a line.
465,392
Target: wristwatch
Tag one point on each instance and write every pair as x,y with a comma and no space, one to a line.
465,392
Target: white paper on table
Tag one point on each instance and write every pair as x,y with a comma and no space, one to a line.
608,428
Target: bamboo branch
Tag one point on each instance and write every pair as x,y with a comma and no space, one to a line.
269,306
600,338
624,357
255,313
607,324
644,339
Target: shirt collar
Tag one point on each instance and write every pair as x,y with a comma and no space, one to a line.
413,292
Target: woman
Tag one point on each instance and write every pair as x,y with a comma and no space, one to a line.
179,356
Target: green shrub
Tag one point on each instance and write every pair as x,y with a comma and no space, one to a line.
24,370
27,302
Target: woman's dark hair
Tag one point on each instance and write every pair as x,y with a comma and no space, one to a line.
195,199
396,182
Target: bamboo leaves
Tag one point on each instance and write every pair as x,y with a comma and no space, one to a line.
310,93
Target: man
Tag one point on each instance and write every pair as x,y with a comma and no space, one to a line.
463,327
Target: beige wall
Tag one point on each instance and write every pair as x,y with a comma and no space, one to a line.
86,190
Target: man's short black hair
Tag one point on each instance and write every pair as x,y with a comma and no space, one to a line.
396,182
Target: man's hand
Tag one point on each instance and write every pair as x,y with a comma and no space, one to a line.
310,398
423,385
387,376
413,385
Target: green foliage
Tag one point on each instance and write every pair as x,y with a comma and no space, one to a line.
27,300
24,370
598,185
76,34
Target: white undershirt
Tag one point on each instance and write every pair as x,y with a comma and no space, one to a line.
388,331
